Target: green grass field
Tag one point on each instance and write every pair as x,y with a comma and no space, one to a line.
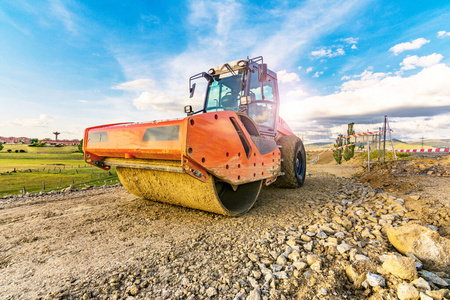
54,168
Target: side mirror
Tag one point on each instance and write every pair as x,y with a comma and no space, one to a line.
191,91
262,72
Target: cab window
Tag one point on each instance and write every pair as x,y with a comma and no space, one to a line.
224,92
262,108
266,94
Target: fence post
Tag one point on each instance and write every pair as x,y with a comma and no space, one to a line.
24,190
60,182
73,181
43,186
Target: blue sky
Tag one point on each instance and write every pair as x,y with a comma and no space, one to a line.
67,65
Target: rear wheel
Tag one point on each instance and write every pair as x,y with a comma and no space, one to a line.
294,162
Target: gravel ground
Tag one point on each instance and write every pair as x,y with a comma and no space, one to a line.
294,244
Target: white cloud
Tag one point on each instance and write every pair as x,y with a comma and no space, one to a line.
354,47
416,44
42,121
321,53
317,74
339,51
416,127
154,100
299,67
135,85
350,40
377,94
285,77
443,33
411,62
83,101
309,69
64,15
365,79
328,53
296,93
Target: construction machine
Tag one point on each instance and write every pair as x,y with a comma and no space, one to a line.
215,159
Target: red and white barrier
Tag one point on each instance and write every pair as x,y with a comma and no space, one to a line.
363,134
331,149
424,150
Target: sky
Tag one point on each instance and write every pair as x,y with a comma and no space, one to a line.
68,65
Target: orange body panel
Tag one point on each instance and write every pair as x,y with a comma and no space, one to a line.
213,143
126,141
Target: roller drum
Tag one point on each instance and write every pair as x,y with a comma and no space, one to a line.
182,189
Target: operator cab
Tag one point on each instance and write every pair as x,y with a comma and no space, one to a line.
243,86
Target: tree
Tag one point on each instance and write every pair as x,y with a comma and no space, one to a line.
1,146
33,141
80,146
349,152
337,153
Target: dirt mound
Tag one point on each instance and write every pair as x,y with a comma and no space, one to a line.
396,175
386,181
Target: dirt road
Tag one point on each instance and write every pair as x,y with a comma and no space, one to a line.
105,243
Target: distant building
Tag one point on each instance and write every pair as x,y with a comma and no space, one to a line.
15,140
25,140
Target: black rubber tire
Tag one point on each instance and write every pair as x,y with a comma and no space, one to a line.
293,163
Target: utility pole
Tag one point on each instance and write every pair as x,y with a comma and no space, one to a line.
392,141
379,143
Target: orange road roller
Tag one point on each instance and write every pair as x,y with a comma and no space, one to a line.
215,159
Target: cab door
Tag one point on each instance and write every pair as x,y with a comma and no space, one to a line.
263,107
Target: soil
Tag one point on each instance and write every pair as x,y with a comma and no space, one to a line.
106,243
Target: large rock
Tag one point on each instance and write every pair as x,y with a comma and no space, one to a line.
431,277
427,245
254,295
375,279
407,291
400,266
